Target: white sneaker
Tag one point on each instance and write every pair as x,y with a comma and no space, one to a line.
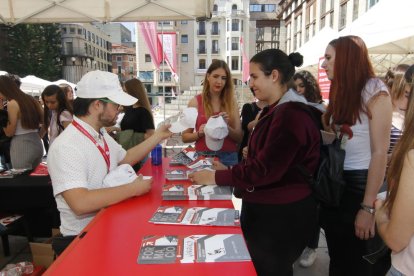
308,257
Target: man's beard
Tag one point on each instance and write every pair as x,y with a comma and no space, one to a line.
107,121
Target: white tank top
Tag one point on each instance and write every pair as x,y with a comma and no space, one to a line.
20,130
358,149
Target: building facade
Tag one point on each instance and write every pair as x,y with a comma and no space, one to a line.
305,18
85,47
123,62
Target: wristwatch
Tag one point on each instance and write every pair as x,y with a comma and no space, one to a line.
367,208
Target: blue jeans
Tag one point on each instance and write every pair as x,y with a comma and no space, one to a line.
227,158
394,272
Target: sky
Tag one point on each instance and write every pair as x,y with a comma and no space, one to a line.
131,27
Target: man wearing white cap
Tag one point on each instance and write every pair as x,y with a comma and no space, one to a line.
84,153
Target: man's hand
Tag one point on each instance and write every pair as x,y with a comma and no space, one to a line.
163,132
141,186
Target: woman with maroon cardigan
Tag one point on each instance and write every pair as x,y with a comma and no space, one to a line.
278,209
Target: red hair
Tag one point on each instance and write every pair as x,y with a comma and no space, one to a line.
352,70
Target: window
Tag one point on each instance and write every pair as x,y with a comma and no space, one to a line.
371,3
79,31
214,28
89,36
235,24
131,58
234,63
184,58
184,22
323,7
184,38
215,8
146,76
202,28
214,47
147,58
202,47
64,30
322,23
269,8
118,58
342,16
119,70
234,43
255,8
355,10
72,30
234,7
69,48
202,64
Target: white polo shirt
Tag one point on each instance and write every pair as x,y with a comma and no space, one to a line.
74,161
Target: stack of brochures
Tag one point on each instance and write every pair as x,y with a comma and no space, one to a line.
196,216
195,192
193,249
184,157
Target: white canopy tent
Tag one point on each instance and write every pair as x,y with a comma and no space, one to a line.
3,73
59,82
33,85
61,11
387,29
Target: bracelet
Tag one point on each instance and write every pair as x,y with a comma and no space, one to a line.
367,208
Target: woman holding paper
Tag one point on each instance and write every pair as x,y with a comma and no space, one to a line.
277,208
216,100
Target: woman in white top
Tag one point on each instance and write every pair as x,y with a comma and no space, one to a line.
57,111
25,117
395,216
360,107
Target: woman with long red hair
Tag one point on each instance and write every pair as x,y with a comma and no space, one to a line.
359,108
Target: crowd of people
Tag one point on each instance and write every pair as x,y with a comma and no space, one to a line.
259,152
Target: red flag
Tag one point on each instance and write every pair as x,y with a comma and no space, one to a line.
245,63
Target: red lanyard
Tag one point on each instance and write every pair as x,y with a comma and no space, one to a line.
104,152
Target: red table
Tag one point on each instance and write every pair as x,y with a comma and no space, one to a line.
111,242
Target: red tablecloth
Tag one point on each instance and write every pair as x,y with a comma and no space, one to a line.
111,242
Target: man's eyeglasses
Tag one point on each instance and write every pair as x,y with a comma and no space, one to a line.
106,100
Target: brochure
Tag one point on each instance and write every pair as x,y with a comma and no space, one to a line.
193,249
178,174
7,220
187,191
184,157
196,216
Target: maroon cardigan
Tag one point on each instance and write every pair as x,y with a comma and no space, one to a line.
284,137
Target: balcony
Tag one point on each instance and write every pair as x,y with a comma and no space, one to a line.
75,51
215,51
201,32
201,51
215,32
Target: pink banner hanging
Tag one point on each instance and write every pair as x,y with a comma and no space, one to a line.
169,41
149,32
245,63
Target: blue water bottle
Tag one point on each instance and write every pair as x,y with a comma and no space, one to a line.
156,155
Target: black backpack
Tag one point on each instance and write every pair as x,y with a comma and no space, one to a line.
327,182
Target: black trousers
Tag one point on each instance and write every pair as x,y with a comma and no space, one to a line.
346,250
59,243
277,234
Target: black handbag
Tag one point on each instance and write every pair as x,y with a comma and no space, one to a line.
327,182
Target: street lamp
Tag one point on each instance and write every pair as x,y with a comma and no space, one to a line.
73,60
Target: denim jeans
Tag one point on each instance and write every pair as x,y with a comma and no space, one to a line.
227,158
394,272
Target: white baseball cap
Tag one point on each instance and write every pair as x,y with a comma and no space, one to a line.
186,119
121,175
100,84
215,131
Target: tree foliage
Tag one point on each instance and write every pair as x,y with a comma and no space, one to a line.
33,49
